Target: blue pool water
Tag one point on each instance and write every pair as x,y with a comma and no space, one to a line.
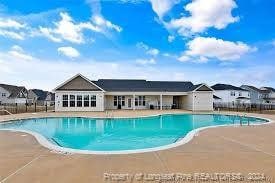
122,133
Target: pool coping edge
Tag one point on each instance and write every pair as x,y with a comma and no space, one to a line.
187,138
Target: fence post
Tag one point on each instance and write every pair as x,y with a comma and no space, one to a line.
35,107
16,108
46,107
26,106
260,108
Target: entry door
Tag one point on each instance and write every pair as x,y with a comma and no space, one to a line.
176,102
129,103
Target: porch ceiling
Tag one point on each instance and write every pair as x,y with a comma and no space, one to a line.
148,93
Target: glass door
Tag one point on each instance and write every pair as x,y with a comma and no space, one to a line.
129,103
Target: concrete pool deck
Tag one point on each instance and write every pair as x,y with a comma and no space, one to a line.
246,149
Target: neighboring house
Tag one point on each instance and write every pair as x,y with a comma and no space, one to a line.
230,95
268,94
82,94
50,99
255,94
40,97
217,99
10,94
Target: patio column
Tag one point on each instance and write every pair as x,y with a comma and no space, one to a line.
160,102
133,102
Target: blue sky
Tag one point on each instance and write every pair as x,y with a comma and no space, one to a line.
43,43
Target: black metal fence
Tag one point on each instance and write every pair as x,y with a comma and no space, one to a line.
24,108
246,107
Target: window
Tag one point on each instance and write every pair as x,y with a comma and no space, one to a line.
3,94
129,102
240,93
140,101
136,101
115,100
119,100
79,100
93,101
143,102
72,101
232,93
65,100
86,100
123,100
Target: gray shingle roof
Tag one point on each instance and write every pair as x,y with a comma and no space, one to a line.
143,85
242,98
40,94
252,87
13,90
226,87
269,88
52,95
216,97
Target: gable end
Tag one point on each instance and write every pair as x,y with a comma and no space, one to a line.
203,87
78,83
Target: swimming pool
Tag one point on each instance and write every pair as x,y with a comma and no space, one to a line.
121,134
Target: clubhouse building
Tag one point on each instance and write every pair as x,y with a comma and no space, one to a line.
81,94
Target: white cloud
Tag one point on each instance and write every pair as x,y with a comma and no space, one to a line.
17,48
184,58
146,61
19,53
99,20
9,23
170,55
153,52
142,45
49,73
12,29
203,48
203,15
132,1
14,71
68,51
161,7
67,29
103,24
148,49
171,38
12,34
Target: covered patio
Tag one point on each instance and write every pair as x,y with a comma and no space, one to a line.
145,101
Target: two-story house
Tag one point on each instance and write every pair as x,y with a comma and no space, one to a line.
41,97
10,94
230,95
255,94
268,95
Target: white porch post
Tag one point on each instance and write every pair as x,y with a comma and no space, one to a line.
160,102
133,101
